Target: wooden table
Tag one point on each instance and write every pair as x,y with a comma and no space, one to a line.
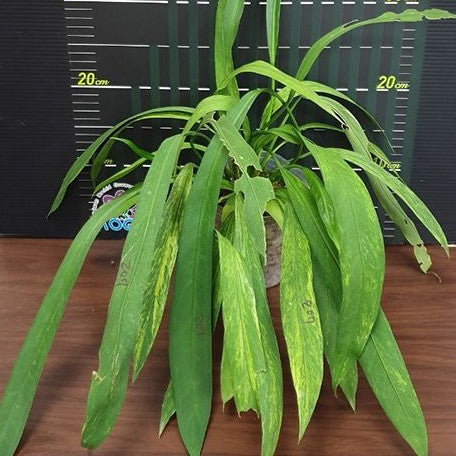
421,310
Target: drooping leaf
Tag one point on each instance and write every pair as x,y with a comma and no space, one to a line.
387,375
168,406
134,147
257,192
402,191
210,105
262,68
381,357
324,204
173,112
227,390
327,277
404,223
361,256
392,207
242,338
409,15
270,394
120,174
300,318
190,318
109,382
163,259
20,389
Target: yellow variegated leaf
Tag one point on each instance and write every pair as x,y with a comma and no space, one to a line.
164,257
300,318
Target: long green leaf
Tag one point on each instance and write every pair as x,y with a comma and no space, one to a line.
387,375
272,28
163,259
190,319
404,223
324,204
168,406
410,15
175,112
134,147
228,17
270,71
381,358
392,207
20,389
362,257
242,338
270,388
120,174
402,191
109,383
327,278
300,318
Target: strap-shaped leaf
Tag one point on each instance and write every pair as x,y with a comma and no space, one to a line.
315,50
387,375
228,17
270,71
270,394
361,256
404,223
272,28
324,204
242,338
300,318
410,15
381,358
190,350
257,192
173,112
120,174
168,406
128,169
134,147
392,207
209,105
20,389
327,278
163,259
109,383
402,191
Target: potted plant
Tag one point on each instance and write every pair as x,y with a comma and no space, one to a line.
332,256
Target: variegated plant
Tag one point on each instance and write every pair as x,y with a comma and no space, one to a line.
332,257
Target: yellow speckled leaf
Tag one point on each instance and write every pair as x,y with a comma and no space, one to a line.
300,318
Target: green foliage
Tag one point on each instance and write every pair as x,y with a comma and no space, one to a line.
300,318
332,256
109,382
18,395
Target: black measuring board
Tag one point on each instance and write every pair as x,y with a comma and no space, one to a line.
128,56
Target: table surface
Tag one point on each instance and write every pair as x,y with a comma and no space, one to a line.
421,311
